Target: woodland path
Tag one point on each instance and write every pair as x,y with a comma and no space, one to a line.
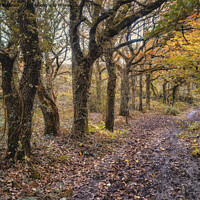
154,164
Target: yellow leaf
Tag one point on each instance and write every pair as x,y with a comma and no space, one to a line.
195,152
136,197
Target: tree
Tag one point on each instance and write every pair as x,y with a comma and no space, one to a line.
182,55
48,28
110,104
174,16
49,111
164,91
133,89
148,92
98,33
53,44
140,92
130,56
98,79
19,102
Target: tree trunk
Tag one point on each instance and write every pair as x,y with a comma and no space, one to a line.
164,92
133,87
49,111
82,61
48,73
124,110
14,110
81,75
81,84
168,98
189,97
19,103
155,91
174,92
98,86
140,94
148,92
110,107
19,113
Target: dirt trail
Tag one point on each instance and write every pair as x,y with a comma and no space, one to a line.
154,164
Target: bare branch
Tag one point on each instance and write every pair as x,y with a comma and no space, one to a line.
184,36
111,32
128,43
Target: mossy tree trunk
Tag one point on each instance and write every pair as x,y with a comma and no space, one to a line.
49,111
15,118
98,37
81,85
81,71
19,102
110,105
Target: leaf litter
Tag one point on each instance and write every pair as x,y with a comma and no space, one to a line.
147,162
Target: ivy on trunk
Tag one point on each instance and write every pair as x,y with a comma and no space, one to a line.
19,102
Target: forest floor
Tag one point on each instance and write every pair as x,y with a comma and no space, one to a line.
151,158
153,164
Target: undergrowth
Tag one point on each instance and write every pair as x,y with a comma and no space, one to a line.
171,111
159,106
191,133
99,129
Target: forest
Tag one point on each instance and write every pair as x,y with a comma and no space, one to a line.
100,99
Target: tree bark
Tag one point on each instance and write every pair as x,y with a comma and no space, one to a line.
155,91
110,106
19,103
174,92
133,87
81,70
81,85
148,92
82,61
140,94
48,73
124,104
189,97
164,92
98,76
13,107
49,111
81,74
